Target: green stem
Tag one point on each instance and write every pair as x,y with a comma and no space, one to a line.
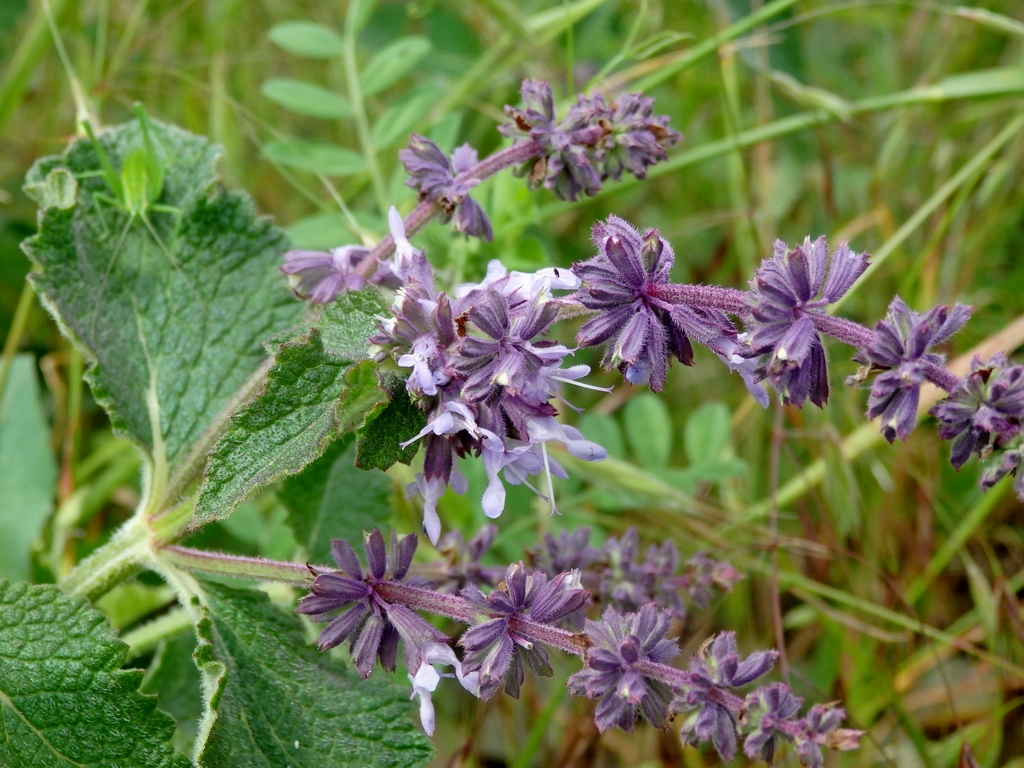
17,331
355,95
112,563
252,568
144,639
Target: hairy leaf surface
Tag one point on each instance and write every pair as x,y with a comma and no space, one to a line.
170,304
274,700
290,423
63,699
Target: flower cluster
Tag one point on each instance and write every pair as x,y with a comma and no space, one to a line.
986,416
626,652
900,349
447,183
642,325
595,141
784,306
484,376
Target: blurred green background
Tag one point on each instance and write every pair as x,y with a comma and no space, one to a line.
894,125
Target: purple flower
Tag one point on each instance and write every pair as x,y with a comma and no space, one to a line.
784,304
640,328
900,348
567,552
498,645
629,584
320,276
632,138
821,728
621,644
372,626
703,573
436,178
986,411
503,353
713,671
564,167
769,709
1007,461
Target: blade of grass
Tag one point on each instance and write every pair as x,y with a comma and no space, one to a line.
969,171
1006,81
34,43
964,531
355,96
710,46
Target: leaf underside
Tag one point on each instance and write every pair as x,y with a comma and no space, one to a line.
172,323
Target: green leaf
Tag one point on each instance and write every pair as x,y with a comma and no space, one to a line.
63,700
315,157
403,115
394,62
649,430
359,12
275,701
334,499
319,232
29,470
387,426
349,322
707,433
307,38
307,98
293,419
279,432
172,327
172,676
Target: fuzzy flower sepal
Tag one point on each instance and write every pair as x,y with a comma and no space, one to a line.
986,412
496,647
620,644
900,349
373,627
641,330
788,292
437,178
714,671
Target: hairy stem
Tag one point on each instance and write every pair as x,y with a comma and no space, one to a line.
575,643
432,601
847,331
254,568
942,378
730,300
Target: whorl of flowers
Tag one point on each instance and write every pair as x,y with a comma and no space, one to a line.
613,667
509,629
499,643
789,291
446,182
640,326
484,378
900,350
595,141
373,626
